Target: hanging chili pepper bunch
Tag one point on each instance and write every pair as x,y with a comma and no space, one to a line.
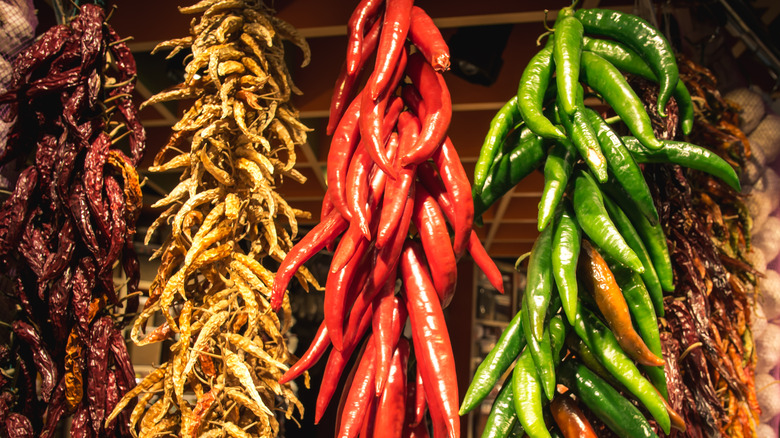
593,184
225,217
69,221
390,165
709,230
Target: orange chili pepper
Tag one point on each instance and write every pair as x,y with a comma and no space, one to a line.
601,283
570,418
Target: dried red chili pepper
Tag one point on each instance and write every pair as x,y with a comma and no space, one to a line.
43,362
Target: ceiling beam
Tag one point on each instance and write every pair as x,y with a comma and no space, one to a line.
441,23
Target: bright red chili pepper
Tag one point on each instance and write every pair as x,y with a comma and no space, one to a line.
340,285
363,301
399,187
391,44
317,348
372,117
436,244
430,330
343,144
310,244
345,84
426,36
388,255
367,429
420,403
418,431
363,13
327,206
357,188
337,361
483,260
458,188
453,177
392,404
389,319
436,98
360,392
359,170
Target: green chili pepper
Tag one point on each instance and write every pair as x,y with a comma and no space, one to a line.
502,421
623,166
565,253
583,353
529,406
513,166
640,36
517,430
541,353
627,230
612,86
504,121
628,61
539,283
687,155
604,401
600,340
557,329
643,313
495,364
652,236
557,169
593,218
585,140
531,91
566,54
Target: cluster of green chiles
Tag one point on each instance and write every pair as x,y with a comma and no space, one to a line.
593,184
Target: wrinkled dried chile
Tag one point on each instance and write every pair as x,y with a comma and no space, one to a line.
70,219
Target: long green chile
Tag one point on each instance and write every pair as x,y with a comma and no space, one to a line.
623,166
614,410
566,54
504,121
643,313
585,141
565,253
607,80
600,340
531,91
652,236
557,169
640,36
541,354
583,353
502,420
509,345
529,407
628,61
527,154
650,277
687,155
539,283
594,220
526,381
